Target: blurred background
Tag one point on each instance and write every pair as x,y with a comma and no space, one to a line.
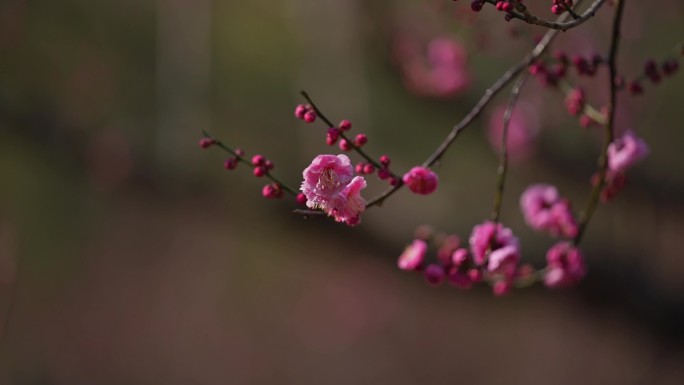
128,255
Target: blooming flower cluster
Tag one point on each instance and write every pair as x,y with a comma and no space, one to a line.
565,265
330,185
493,255
545,210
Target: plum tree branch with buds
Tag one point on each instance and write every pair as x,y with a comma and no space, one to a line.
332,185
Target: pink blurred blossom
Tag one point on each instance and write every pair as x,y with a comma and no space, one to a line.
565,265
544,210
439,72
490,236
625,151
504,261
522,130
413,256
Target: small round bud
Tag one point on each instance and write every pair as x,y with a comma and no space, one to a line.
310,116
269,165
383,173
345,145
330,140
360,140
206,142
359,167
300,110
258,160
345,125
239,152
434,274
585,121
368,168
259,171
635,88
475,275
230,163
269,191
670,66
334,132
301,198
501,288
385,160
476,5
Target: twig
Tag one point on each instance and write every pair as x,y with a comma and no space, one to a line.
242,159
351,143
559,25
489,94
503,160
609,127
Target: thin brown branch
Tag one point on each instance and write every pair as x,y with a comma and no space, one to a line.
559,25
609,127
242,159
342,135
489,94
503,160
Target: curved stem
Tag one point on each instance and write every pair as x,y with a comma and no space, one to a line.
609,127
242,159
489,94
502,82
503,160
351,142
559,25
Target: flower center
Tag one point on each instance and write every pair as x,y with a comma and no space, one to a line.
328,180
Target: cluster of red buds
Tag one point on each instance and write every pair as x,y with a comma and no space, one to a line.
261,167
560,6
655,72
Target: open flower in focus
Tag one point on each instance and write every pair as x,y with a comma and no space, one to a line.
349,204
328,185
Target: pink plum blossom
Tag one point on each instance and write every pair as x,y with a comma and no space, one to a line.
413,256
545,210
504,261
349,204
440,72
328,185
625,151
522,130
421,180
565,265
491,236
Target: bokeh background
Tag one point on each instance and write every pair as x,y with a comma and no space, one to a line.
130,256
